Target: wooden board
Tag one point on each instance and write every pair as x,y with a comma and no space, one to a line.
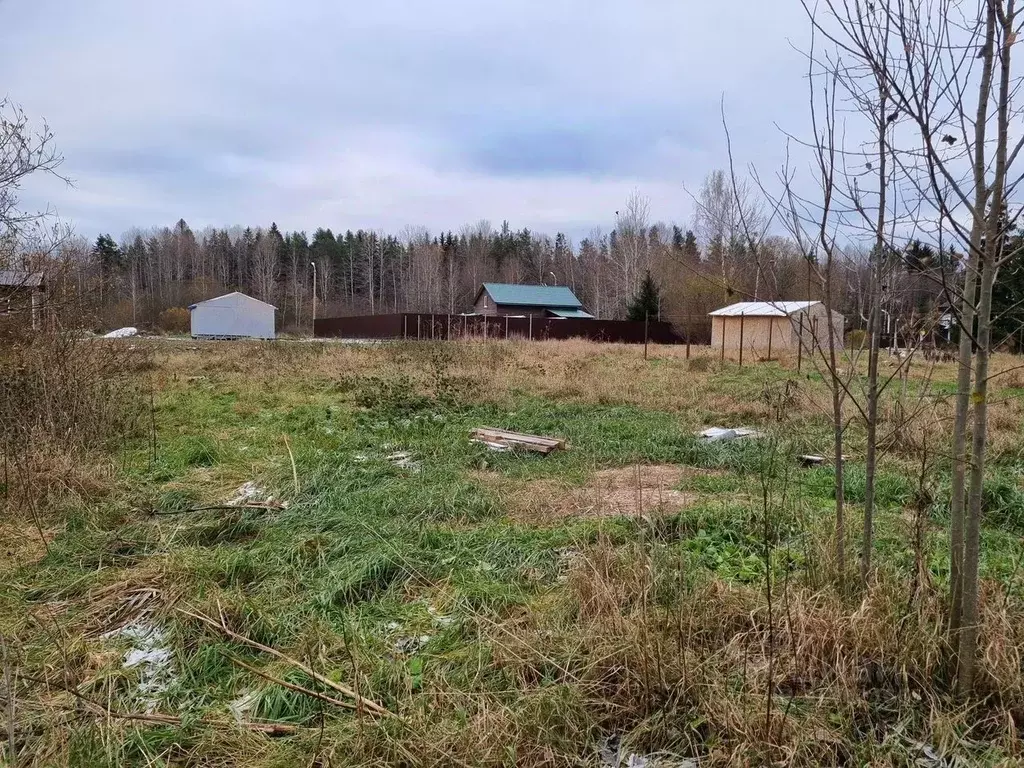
519,440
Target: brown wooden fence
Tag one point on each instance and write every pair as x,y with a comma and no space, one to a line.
428,327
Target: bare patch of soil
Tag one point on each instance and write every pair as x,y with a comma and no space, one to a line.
625,491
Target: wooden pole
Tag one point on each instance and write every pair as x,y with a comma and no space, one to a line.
448,329
687,336
800,345
723,339
741,340
485,327
506,327
647,318
771,322
531,327
405,326
418,334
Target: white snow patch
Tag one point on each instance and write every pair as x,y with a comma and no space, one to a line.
150,654
122,333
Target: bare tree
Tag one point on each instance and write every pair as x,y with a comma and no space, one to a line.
266,261
23,151
631,254
727,219
945,71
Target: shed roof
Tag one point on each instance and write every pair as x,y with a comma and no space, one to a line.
11,278
531,295
226,295
763,308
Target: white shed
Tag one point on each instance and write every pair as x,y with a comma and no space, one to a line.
233,316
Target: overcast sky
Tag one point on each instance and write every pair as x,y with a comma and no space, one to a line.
392,113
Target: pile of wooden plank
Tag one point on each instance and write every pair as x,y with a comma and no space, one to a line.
500,439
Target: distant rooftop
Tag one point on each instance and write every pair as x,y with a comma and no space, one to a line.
532,295
228,295
11,278
763,308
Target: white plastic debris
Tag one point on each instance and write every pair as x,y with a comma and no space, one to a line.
714,434
404,460
150,654
408,645
719,434
122,333
247,491
440,619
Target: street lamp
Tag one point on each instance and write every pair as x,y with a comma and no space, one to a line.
313,265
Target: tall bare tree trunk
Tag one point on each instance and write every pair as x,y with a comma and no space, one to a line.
968,305
960,419
990,255
874,315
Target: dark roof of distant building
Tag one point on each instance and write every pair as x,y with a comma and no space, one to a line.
531,295
11,278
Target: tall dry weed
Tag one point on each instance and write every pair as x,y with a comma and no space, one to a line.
65,401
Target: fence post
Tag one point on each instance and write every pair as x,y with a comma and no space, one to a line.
687,337
485,327
723,339
418,318
646,320
741,340
531,327
405,327
815,346
448,330
800,345
771,323
506,327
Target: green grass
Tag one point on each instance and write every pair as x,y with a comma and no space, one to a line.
369,557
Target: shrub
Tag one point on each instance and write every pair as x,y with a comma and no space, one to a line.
64,400
174,320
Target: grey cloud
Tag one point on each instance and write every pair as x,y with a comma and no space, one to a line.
396,113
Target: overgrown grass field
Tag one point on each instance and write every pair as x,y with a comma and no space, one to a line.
300,558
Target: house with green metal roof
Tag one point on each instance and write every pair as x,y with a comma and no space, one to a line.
529,300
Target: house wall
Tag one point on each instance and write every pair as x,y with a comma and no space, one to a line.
757,334
486,306
815,328
233,317
784,333
23,305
